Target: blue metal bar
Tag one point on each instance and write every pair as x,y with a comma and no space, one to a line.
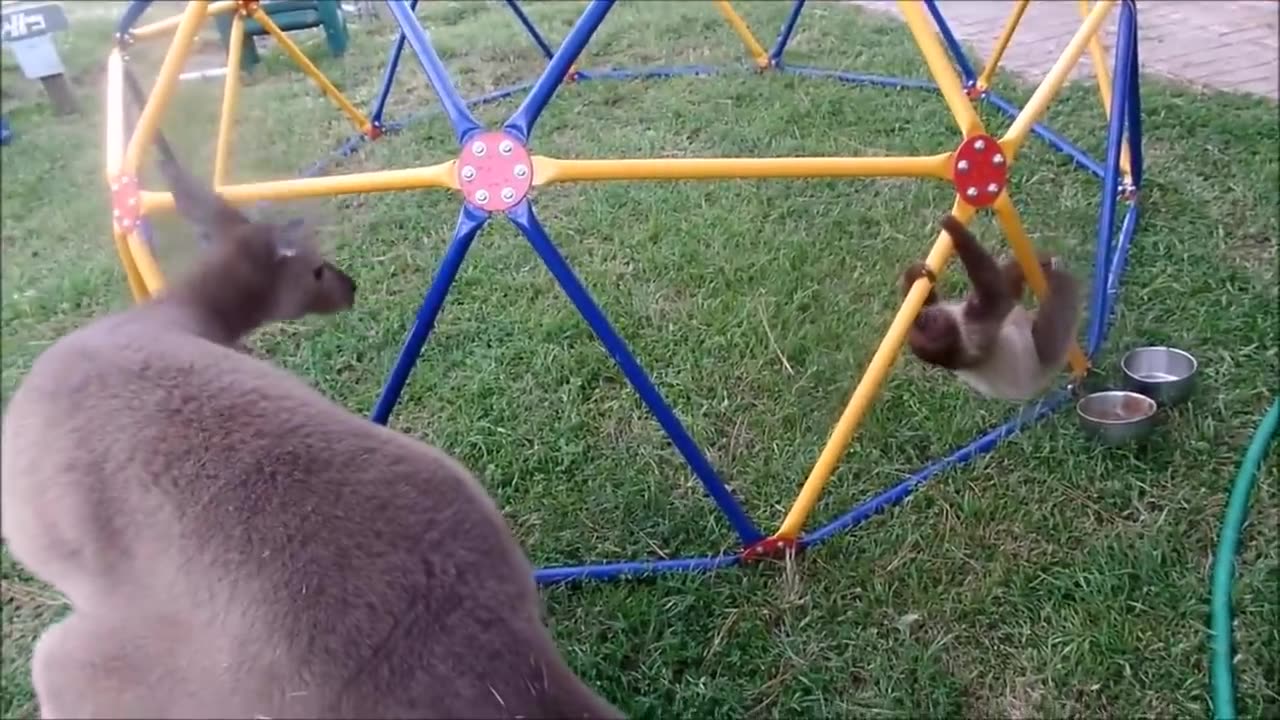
623,570
346,149
131,16
1135,99
389,75
147,233
1056,141
1119,258
531,28
523,217
1110,182
470,221
953,45
784,37
980,446
657,72
521,122
463,122
860,78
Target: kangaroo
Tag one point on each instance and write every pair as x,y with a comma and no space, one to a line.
235,545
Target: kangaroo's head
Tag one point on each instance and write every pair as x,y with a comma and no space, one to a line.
252,271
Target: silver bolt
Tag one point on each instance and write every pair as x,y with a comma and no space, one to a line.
133,201
998,159
482,196
979,144
115,213
521,171
508,194
962,166
468,172
115,186
993,188
971,192
477,148
505,147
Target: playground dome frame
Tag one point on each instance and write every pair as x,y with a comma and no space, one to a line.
495,170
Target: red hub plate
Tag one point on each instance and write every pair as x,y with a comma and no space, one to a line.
495,171
126,204
980,170
768,548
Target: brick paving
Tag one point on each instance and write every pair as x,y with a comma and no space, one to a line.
1229,45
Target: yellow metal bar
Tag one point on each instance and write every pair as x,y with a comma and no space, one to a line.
115,156
1103,76
441,175
114,112
548,170
1018,131
169,24
137,286
758,53
230,92
1025,252
149,271
308,67
872,379
166,80
940,68
1002,44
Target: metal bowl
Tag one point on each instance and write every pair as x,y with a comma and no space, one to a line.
1164,374
1116,417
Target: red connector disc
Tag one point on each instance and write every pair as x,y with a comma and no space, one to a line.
495,171
768,548
980,170
126,203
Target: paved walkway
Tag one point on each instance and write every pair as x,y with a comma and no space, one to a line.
1231,45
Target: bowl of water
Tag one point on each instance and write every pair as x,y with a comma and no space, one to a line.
1117,417
1164,374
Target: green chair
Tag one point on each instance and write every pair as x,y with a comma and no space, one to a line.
290,15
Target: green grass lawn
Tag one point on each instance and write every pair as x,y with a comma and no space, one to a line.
1052,578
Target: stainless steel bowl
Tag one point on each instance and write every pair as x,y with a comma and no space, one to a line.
1116,417
1164,374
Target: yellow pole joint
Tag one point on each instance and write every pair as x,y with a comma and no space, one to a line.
1002,44
757,51
357,118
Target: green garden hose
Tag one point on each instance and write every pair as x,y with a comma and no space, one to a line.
1222,671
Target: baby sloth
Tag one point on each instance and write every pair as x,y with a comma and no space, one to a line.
988,339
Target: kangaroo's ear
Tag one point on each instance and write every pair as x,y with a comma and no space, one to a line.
292,237
213,216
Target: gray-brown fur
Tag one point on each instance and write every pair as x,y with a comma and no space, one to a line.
987,338
233,544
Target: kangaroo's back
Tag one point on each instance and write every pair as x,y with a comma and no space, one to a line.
360,572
